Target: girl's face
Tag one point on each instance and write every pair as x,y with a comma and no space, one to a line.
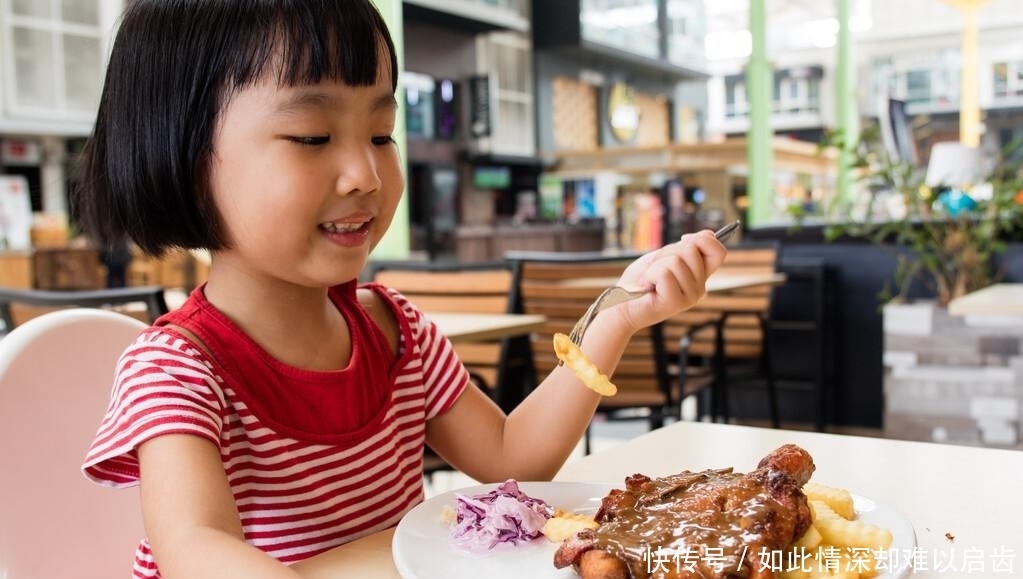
306,179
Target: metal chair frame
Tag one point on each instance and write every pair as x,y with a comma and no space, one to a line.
151,296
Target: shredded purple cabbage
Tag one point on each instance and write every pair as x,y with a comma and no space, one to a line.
503,516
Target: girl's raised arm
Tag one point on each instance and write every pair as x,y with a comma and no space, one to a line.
534,441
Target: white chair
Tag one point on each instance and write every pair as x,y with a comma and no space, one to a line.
56,373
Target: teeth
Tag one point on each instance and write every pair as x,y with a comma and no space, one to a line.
341,227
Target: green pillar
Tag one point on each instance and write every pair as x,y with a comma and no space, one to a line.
758,139
396,244
846,117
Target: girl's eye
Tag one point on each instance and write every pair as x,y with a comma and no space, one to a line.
310,141
384,140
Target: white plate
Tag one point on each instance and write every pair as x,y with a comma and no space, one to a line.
422,550
903,535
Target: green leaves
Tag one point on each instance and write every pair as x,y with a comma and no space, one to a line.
952,247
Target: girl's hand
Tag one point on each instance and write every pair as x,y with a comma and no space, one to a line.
677,274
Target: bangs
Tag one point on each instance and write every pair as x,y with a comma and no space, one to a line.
306,42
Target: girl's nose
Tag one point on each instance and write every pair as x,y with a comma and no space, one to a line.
358,172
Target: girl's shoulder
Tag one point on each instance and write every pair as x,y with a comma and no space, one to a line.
370,292
168,345
379,300
392,311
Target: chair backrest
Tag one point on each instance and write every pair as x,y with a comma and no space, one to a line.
743,309
550,287
143,302
447,287
56,373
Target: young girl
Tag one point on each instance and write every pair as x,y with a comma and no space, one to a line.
283,409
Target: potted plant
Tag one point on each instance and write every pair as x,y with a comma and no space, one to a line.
946,378
951,230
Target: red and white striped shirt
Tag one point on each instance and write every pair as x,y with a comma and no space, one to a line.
314,459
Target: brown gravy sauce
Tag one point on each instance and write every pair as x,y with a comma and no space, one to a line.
671,527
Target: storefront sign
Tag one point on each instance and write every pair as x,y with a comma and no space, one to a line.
20,152
623,112
15,213
480,110
552,197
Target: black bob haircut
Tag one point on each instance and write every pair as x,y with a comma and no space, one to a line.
173,66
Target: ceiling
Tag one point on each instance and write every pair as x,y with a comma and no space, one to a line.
732,15
791,25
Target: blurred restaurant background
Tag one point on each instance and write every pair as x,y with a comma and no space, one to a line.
617,126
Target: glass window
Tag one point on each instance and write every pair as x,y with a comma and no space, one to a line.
814,88
35,8
513,5
629,25
514,128
506,57
1001,78
787,93
918,86
33,68
1008,79
80,11
82,60
58,62
687,33
739,106
512,68
419,106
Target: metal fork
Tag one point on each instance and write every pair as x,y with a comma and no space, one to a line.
615,295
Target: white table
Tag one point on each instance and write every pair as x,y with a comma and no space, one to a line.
716,283
1001,299
971,493
469,327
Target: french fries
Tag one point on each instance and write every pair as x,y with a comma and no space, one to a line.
840,500
584,369
841,532
448,515
565,524
810,540
837,545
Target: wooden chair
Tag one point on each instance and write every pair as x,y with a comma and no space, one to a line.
653,375
728,329
18,306
482,287
449,287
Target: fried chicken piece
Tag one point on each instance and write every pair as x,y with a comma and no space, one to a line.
708,524
791,460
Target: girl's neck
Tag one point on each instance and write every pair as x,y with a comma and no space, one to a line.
297,325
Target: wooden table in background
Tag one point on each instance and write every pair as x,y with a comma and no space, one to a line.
52,268
471,327
16,269
723,282
719,282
